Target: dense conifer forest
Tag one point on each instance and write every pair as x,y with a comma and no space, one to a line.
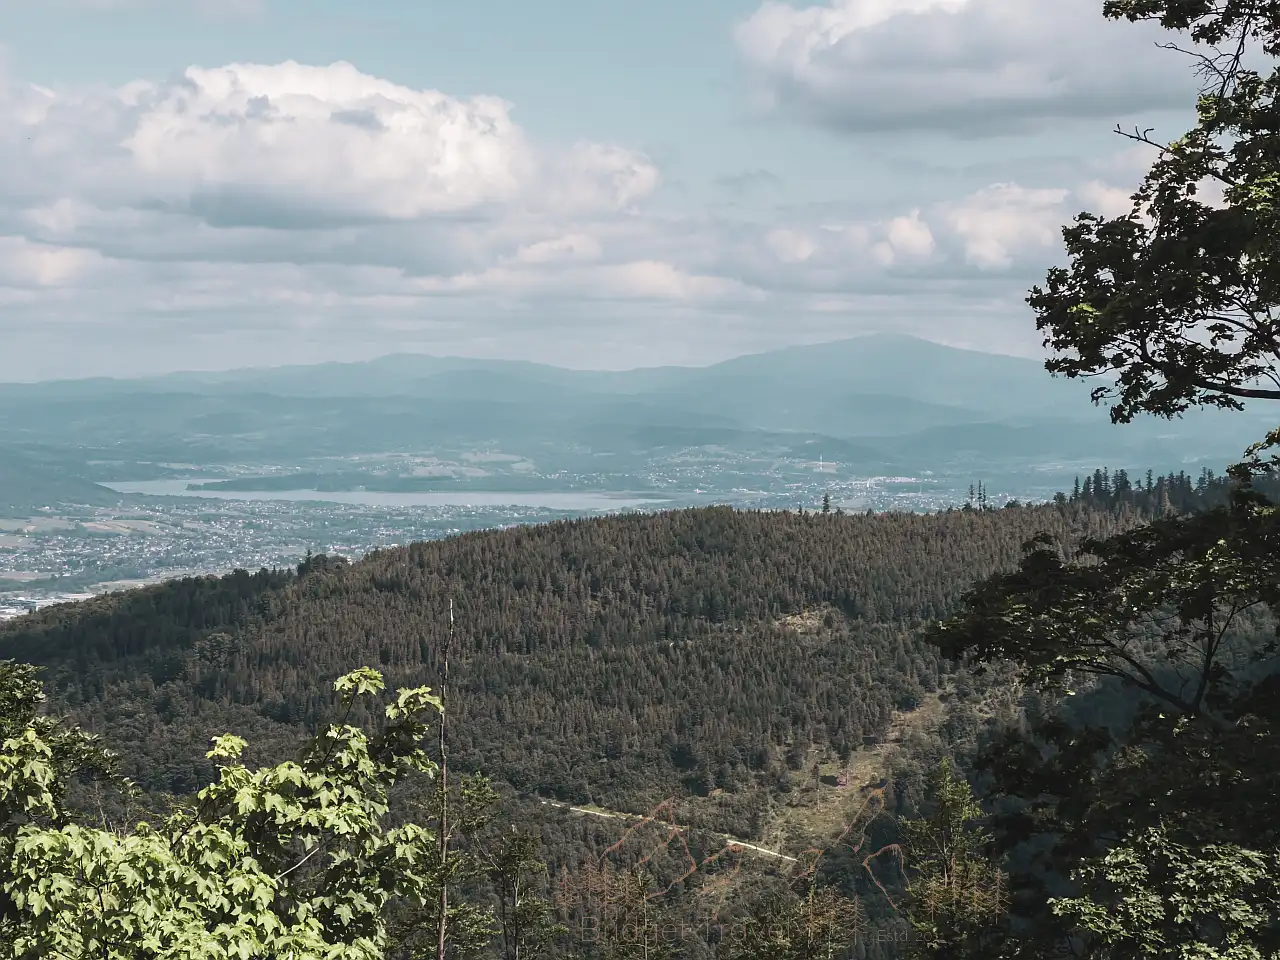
731,671
616,660
721,658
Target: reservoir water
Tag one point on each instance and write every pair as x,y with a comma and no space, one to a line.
548,500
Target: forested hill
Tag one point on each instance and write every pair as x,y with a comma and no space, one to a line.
618,660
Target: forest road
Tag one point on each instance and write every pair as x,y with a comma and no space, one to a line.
613,815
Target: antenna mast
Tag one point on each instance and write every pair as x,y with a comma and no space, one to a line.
442,926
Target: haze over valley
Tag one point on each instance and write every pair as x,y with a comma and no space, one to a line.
108,482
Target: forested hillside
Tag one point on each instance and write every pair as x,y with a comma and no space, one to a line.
617,660
719,658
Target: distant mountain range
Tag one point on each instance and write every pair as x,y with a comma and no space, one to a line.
883,402
847,387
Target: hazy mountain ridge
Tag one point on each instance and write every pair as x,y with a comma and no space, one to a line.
882,364
877,403
30,482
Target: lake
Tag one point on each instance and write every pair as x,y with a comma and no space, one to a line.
550,500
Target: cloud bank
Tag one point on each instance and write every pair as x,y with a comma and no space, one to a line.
319,208
969,68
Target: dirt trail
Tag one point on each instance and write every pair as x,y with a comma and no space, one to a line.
829,808
614,815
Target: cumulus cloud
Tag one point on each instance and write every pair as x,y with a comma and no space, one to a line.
1002,218
296,145
967,67
826,253
1000,237
1105,199
569,248
24,264
644,280
790,246
902,239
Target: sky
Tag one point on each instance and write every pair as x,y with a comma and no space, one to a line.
205,184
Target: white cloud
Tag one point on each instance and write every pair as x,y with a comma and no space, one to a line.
287,144
321,136
1001,230
968,67
908,238
571,247
27,264
1104,199
1003,218
287,204
790,246
603,176
896,242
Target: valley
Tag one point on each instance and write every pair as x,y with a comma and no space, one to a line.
688,648
107,483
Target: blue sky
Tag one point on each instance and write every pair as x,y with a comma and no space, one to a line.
187,184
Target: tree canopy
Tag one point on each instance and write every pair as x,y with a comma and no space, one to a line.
1173,304
1147,829
291,861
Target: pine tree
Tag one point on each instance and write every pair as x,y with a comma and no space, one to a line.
525,918
956,892
820,924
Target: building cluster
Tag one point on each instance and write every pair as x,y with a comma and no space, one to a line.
16,606
92,550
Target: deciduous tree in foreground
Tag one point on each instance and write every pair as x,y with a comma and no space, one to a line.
1176,301
292,862
1155,836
